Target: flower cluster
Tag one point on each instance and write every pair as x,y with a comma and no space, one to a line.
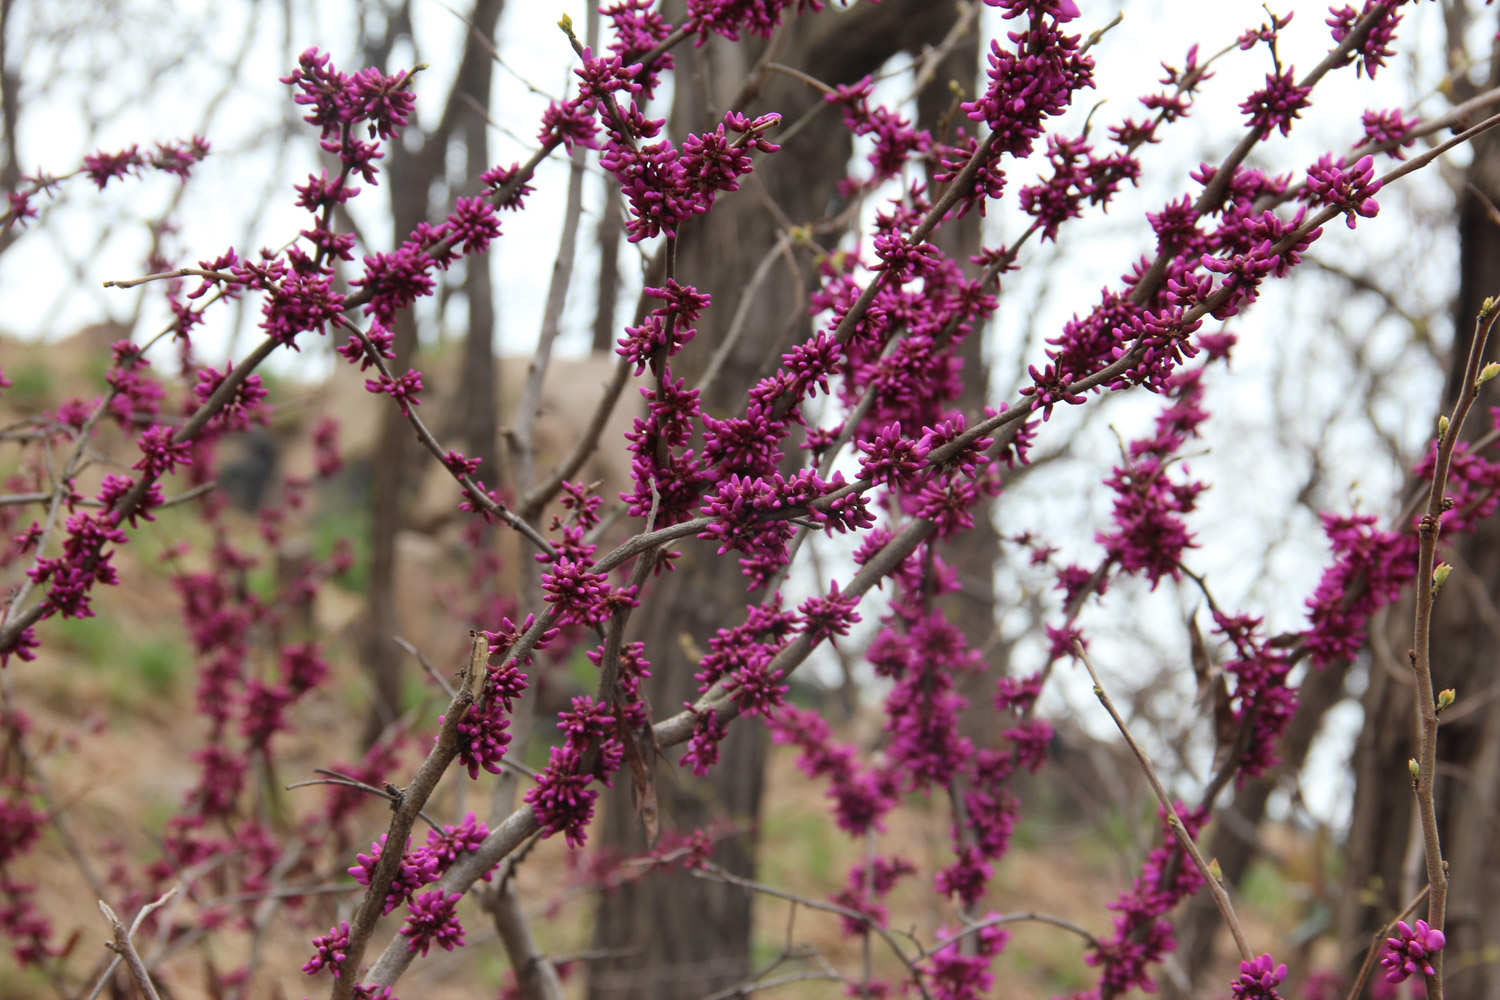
176,158
337,101
667,329
665,185
329,951
431,918
1258,979
741,656
861,797
959,973
26,929
750,514
1331,182
1375,48
562,797
1142,935
868,883
1409,952
416,869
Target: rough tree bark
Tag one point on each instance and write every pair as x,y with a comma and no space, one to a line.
673,936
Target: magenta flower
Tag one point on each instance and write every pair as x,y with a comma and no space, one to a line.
1276,105
1331,182
1376,48
431,918
329,951
445,847
562,799
483,737
1258,979
1389,126
403,389
105,167
1408,953
703,747
417,868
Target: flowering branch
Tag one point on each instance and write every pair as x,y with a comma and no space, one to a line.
1429,579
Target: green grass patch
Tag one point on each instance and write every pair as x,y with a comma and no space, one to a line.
135,669
805,853
1049,959
31,386
94,641
1264,888
158,663
330,528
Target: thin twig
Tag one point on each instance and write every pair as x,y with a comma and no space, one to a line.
405,813
125,951
1215,885
1014,918
1377,944
716,873
391,794
437,678
1449,430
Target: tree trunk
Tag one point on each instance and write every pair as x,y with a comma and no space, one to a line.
479,407
411,175
677,936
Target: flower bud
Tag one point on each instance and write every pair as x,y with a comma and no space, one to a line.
1445,698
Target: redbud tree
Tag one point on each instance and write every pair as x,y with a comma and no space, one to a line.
854,432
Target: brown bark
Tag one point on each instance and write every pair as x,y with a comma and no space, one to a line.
610,225
478,405
678,936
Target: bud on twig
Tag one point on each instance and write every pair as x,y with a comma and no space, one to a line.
1440,575
1486,373
1445,698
